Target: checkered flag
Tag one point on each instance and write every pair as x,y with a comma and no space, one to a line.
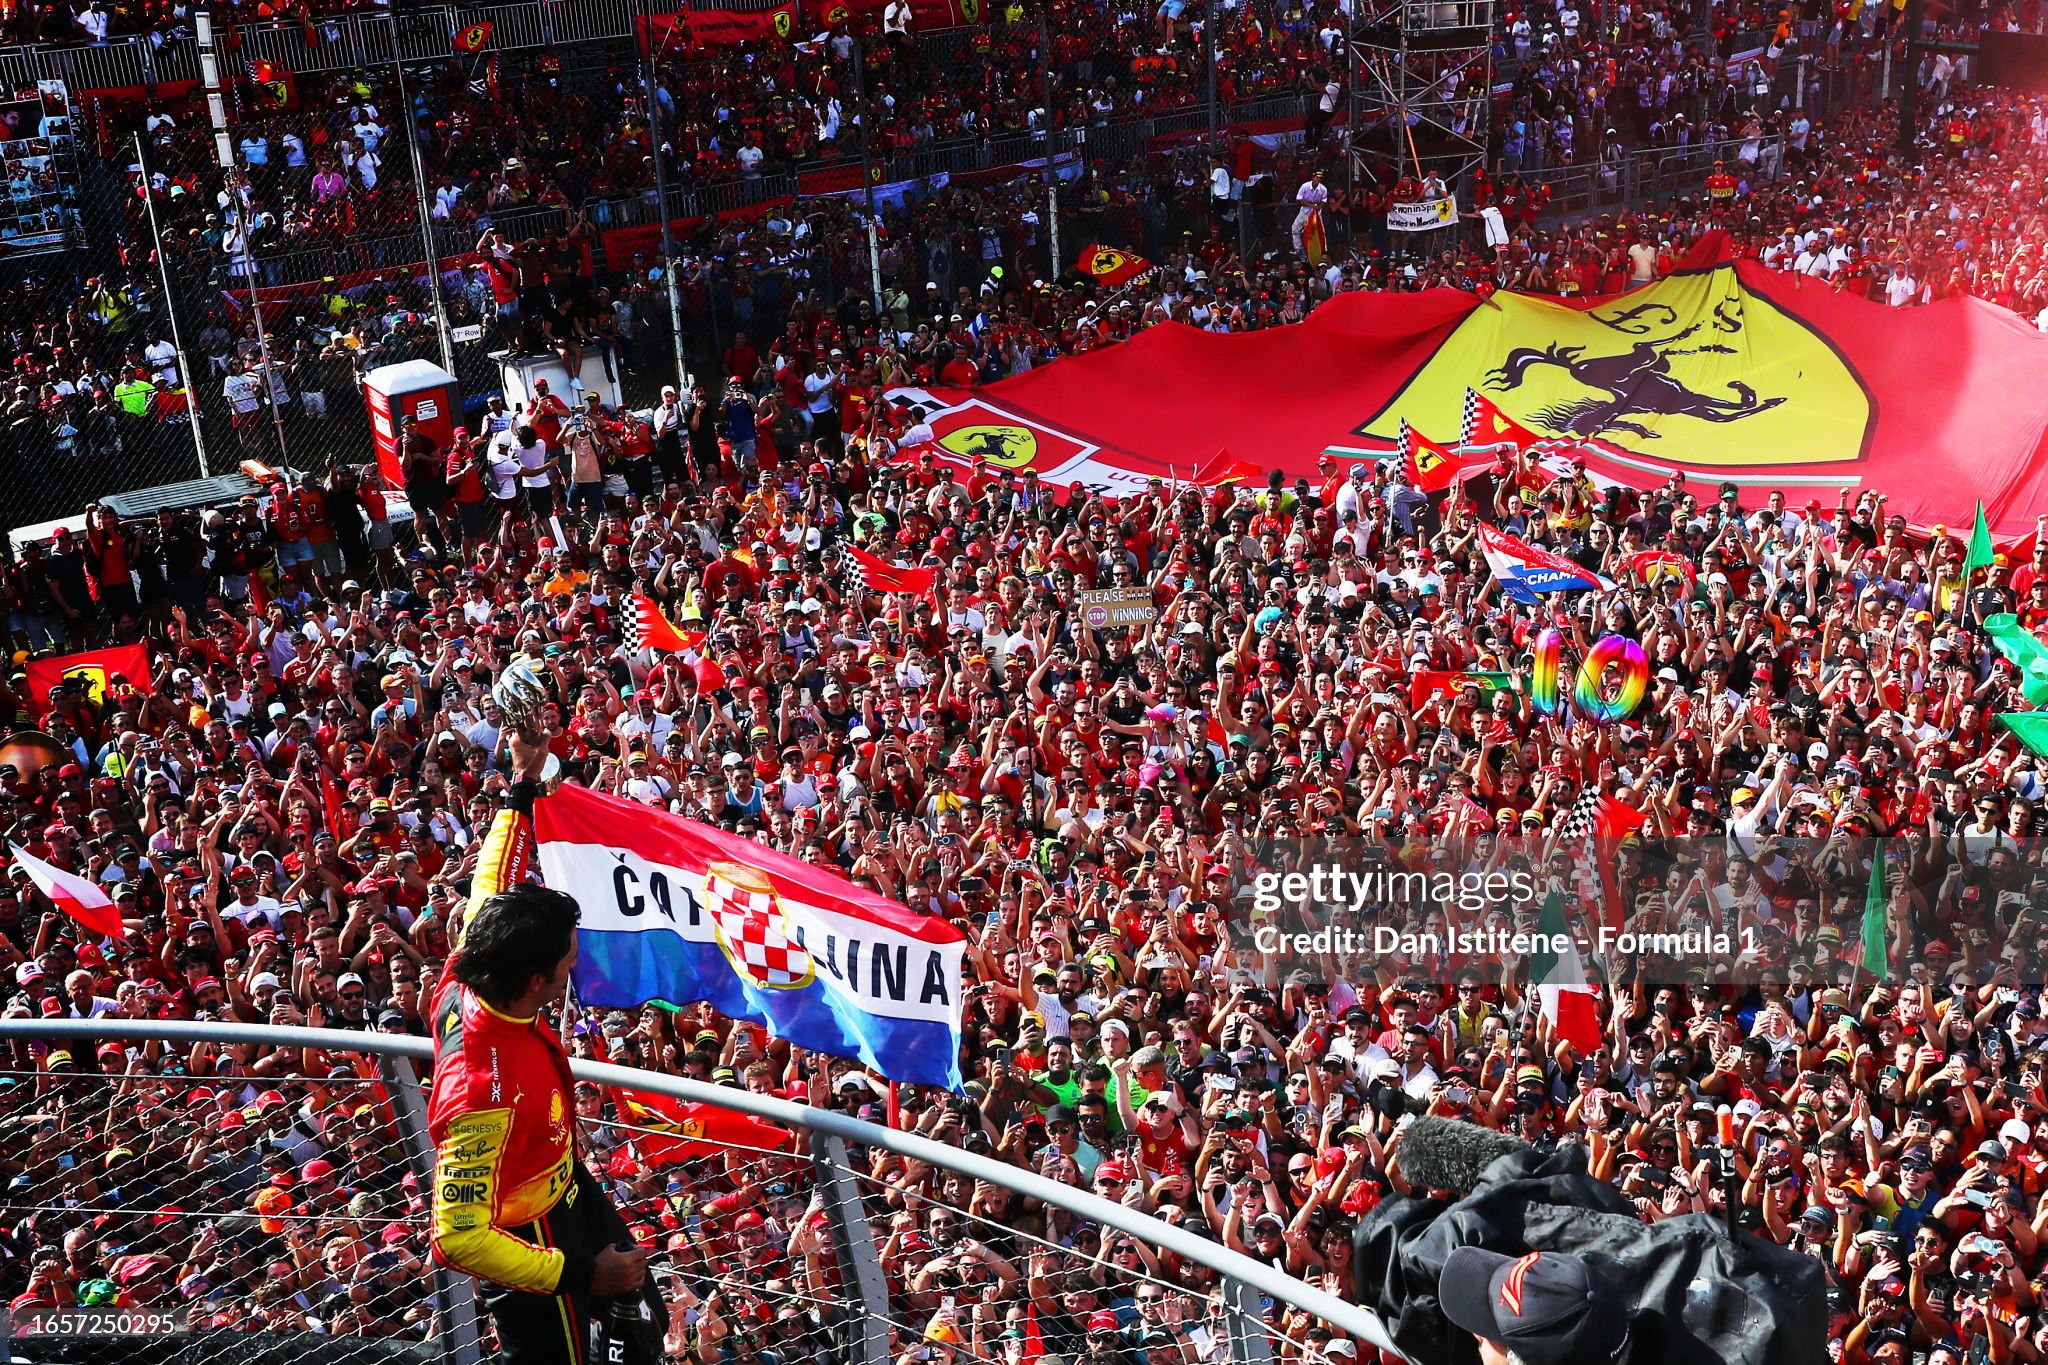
1469,428
1597,816
1582,819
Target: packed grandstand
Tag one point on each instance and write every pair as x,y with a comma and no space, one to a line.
285,744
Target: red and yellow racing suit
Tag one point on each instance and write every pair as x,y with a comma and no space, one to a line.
502,1119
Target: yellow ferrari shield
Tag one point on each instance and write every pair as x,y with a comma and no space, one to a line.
1011,447
970,10
782,23
91,679
1694,370
837,14
1106,261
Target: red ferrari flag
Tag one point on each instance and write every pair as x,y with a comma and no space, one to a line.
472,38
1486,425
1430,467
677,1131
1110,267
83,900
96,669
1651,567
877,575
643,626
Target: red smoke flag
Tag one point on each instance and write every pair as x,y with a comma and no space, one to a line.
77,897
1486,425
1430,467
678,1131
96,669
643,626
472,39
1110,267
878,575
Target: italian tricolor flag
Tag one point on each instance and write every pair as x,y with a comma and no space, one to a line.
1569,1003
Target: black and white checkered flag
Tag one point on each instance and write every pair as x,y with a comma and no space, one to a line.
1583,818
1468,433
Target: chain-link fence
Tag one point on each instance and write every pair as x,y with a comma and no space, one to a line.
175,1203
232,1190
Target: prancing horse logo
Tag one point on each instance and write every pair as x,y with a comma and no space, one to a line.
1694,372
1637,382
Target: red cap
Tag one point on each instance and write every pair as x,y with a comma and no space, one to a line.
319,1168
1102,1320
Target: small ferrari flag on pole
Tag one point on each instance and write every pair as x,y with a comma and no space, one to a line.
1429,466
1110,267
472,38
642,626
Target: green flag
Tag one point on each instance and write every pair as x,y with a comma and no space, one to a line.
1876,952
2031,728
1981,553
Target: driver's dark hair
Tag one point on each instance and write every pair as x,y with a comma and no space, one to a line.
513,937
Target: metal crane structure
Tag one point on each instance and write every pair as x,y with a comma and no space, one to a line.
1420,74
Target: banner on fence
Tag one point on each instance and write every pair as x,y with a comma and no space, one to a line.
621,245
278,299
1423,215
700,28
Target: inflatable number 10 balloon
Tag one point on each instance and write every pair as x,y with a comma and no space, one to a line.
1590,696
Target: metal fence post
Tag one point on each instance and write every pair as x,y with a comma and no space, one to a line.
1251,1343
853,1241
457,1293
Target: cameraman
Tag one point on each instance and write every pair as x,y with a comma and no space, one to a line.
512,1204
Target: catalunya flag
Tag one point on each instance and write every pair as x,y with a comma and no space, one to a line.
472,38
1525,571
1111,268
679,911
78,897
97,669
1429,466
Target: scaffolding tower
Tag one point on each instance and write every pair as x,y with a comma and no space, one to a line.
1421,76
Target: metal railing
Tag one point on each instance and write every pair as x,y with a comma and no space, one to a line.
857,1169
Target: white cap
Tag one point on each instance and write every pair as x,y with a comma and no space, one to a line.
262,979
2015,1134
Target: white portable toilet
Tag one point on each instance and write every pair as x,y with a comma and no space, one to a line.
519,372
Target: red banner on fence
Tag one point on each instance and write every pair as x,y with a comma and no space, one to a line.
714,28
621,245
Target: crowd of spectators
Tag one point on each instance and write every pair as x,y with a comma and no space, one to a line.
1080,803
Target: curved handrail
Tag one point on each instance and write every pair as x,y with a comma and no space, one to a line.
1348,1318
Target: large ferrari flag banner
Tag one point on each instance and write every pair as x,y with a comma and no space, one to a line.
95,669
679,911
1722,371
